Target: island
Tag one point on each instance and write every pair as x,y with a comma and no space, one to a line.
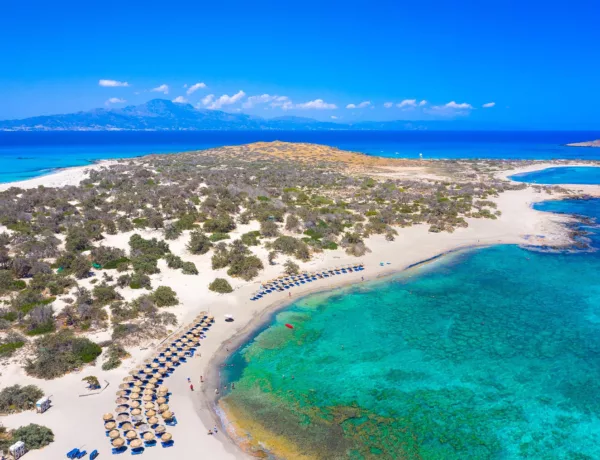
595,143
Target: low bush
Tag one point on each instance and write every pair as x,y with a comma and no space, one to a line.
115,353
164,296
218,237
189,268
17,398
221,286
34,436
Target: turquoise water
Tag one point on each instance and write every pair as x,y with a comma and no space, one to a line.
29,154
561,175
486,354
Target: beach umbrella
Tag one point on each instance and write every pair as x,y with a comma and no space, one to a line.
135,395
148,391
184,340
122,417
167,415
186,347
168,353
136,388
110,425
163,408
136,411
137,418
135,404
163,389
136,443
148,371
152,382
121,393
129,378
131,434
108,416
166,437
159,429
118,442
127,426
132,372
148,405
161,400
150,413
148,436
121,401
181,354
162,359
164,370
143,427
122,408
154,365
114,434
153,420
147,398
124,386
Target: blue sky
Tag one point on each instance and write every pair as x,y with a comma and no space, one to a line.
537,62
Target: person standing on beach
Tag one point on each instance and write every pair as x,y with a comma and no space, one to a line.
201,379
192,386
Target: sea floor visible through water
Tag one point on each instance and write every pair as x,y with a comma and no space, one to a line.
485,354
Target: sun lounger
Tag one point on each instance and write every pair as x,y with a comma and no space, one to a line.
94,454
168,443
72,453
82,454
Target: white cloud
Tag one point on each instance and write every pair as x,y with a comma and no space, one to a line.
276,101
161,89
407,103
194,88
115,100
318,104
112,83
333,117
212,103
458,106
180,100
422,103
387,105
362,105
284,102
489,105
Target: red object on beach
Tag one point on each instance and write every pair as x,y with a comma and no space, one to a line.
289,326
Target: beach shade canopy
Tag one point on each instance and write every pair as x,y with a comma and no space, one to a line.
163,407
122,408
159,429
167,415
121,393
163,371
121,401
161,400
129,378
162,359
166,437
136,412
150,413
118,442
108,416
148,436
148,405
181,354
149,391
175,359
136,443
152,382
163,389
127,426
136,388
143,427
110,425
114,434
137,418
124,386
131,434
153,420
135,395
168,353
122,417
147,398
154,365
135,404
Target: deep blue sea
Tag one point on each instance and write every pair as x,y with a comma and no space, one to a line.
485,354
561,175
28,154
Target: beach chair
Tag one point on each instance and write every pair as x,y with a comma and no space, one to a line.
72,453
94,454
137,451
168,443
82,454
171,422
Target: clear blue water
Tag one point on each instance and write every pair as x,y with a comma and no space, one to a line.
485,354
28,154
561,175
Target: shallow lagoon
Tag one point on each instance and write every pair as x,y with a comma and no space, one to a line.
489,353
580,175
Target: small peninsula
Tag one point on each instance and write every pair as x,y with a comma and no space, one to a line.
595,143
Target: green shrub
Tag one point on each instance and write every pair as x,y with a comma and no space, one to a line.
291,268
34,436
219,236
113,264
251,238
189,268
164,296
17,398
199,243
115,353
220,285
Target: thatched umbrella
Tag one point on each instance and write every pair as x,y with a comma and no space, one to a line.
114,434
137,388
143,427
134,395
163,370
129,378
131,434
137,418
150,413
163,389
149,405
162,359
148,436
159,429
118,442
124,386
121,401
167,415
149,391
161,400
153,420
184,340
136,443
174,359
122,417
154,365
121,393
108,416
166,437
211,318
122,408
135,404
168,353
147,398
126,427
152,382
132,372
186,347
136,411
149,371
163,408
110,425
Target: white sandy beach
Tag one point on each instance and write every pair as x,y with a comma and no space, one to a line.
76,417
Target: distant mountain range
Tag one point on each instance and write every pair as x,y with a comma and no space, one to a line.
164,115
